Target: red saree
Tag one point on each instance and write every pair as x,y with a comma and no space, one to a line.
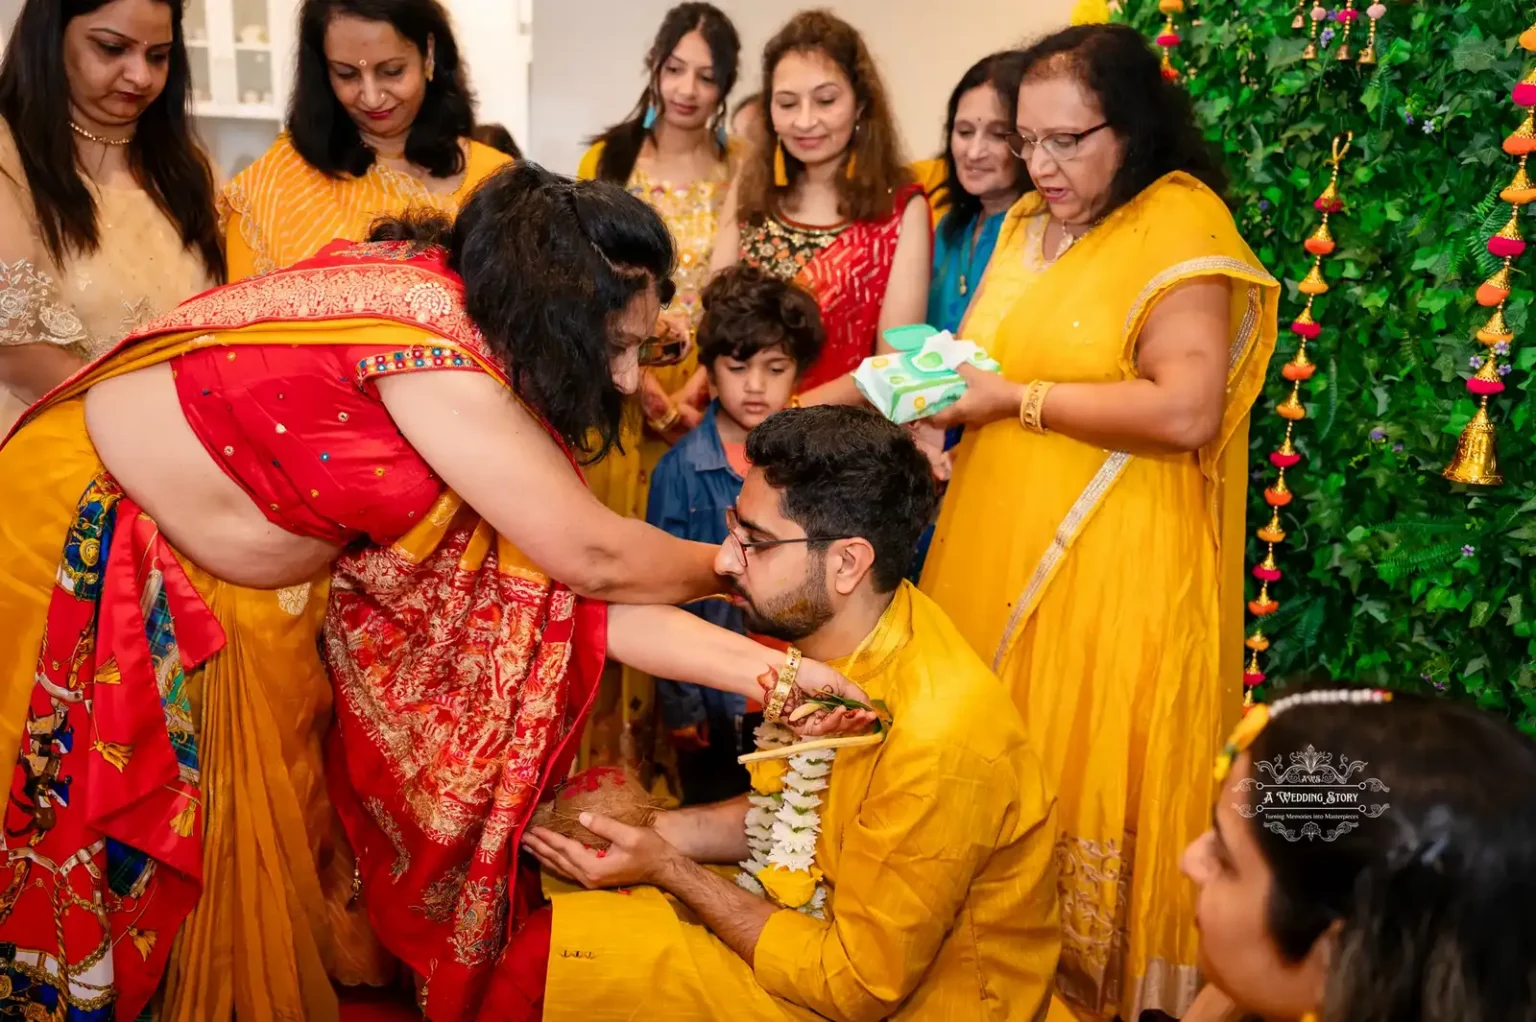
846,268
461,675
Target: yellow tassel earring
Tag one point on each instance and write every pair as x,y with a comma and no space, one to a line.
853,164
780,172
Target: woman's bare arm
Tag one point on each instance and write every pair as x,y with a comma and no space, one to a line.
492,452
1175,405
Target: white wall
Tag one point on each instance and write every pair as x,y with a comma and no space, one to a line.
588,57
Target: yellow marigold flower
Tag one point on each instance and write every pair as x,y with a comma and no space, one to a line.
790,888
768,775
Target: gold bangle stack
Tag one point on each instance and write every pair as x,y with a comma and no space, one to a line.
773,709
1033,406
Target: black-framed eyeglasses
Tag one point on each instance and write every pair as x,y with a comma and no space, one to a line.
1061,146
734,533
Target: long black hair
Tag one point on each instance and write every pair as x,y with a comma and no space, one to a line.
165,156
1001,71
1153,117
622,142
319,126
547,264
1434,900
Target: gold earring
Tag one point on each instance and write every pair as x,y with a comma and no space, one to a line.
431,67
780,171
853,164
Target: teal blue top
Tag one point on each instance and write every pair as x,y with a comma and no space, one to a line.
956,262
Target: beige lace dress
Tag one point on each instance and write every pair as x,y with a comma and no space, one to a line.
140,269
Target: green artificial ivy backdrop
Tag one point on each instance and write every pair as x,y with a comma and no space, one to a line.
1392,575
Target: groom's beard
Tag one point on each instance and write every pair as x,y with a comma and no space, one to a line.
792,616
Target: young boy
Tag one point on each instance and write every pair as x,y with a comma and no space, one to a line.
757,336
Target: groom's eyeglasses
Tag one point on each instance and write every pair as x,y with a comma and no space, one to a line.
739,546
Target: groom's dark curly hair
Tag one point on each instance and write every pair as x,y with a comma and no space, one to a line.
848,472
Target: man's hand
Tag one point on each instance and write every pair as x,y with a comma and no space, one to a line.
635,855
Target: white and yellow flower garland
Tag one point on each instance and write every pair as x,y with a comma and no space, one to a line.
784,823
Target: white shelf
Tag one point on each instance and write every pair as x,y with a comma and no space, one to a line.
253,47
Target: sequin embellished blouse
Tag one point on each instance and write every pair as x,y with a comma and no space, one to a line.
302,431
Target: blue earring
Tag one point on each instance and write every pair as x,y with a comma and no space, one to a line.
650,118
720,135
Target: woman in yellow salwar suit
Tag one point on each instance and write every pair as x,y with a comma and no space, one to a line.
1091,539
380,123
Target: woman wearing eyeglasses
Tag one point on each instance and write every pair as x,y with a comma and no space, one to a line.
1091,540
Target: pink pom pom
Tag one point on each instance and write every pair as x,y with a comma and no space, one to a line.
1284,460
1485,388
1253,679
1319,13
1168,39
1311,331
1525,95
1264,574
1506,248
1349,14
1376,12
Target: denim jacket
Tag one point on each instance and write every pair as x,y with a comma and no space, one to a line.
690,490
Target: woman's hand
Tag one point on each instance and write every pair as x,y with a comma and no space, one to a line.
988,398
930,440
816,678
674,326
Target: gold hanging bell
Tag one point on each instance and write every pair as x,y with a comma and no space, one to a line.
1475,463
1496,330
1330,200
1520,191
1313,283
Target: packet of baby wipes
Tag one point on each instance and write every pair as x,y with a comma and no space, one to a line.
918,379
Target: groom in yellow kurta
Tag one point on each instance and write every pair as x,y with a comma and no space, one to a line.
936,844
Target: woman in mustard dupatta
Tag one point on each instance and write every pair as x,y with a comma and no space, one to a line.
1091,540
379,123
377,445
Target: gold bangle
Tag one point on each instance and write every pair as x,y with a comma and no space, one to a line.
794,401
1033,405
773,709
665,424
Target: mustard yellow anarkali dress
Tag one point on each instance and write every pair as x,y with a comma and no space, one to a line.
1106,588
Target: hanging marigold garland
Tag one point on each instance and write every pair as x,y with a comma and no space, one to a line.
1298,370
1168,39
1475,462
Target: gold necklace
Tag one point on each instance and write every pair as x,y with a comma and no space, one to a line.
97,138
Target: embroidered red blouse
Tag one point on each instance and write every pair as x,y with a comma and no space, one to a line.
301,430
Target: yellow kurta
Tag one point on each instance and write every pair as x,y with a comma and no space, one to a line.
937,846
280,209
1107,588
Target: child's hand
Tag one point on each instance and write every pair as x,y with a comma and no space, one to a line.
930,440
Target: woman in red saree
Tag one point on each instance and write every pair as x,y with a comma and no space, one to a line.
378,445
827,200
